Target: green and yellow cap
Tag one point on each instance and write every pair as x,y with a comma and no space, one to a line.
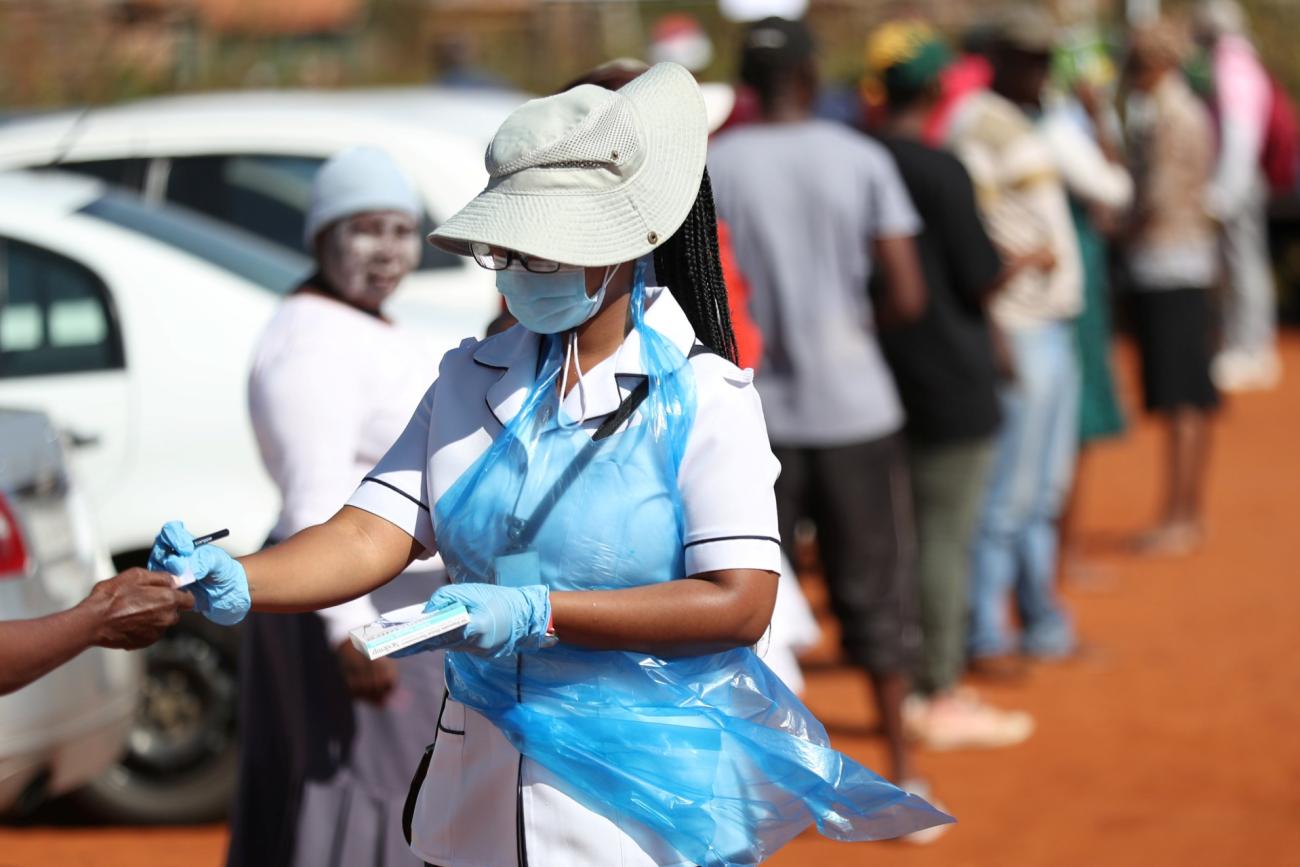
903,57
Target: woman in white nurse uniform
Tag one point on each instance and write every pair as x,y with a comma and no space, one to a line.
599,483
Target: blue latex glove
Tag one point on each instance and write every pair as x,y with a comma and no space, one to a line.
502,620
220,587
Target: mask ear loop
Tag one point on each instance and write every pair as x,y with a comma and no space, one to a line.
571,353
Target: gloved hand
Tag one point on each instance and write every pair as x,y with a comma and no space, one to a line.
220,585
502,620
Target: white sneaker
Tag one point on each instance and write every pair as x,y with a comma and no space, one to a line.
962,721
1239,371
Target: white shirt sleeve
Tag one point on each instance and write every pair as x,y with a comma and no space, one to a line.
397,488
1083,165
307,413
726,478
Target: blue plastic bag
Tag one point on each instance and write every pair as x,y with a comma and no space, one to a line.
712,753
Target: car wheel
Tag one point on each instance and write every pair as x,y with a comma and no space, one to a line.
182,755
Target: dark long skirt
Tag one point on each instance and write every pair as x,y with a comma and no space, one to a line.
322,778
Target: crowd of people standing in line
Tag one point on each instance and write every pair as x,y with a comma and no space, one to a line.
931,430
910,321
924,302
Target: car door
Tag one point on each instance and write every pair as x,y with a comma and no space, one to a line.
61,351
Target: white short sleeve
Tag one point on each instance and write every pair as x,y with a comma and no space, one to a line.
397,488
726,476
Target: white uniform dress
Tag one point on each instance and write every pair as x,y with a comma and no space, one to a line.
481,804
322,777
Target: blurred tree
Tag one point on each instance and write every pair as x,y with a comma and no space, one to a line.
59,52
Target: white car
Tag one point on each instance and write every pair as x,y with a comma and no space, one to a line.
68,727
248,158
133,327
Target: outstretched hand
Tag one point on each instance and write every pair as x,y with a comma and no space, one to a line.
134,609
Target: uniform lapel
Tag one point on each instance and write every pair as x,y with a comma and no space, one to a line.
513,355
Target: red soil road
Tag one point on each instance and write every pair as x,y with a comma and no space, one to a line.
1174,742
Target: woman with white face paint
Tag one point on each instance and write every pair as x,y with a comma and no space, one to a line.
599,483
329,736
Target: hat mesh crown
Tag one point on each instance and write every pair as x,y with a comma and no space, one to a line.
608,136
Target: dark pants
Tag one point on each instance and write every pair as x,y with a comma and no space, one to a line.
858,498
948,484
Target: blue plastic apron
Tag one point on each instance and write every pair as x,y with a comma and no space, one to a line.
713,753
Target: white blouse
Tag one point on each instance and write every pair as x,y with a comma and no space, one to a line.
479,792
330,390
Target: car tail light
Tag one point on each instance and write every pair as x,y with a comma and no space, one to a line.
13,553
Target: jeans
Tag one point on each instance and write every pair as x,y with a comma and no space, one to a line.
1250,309
1016,544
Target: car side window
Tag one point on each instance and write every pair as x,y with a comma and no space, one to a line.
56,315
264,194
128,173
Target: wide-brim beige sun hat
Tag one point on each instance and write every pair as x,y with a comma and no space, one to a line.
590,176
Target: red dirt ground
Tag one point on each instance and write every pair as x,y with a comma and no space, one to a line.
1172,742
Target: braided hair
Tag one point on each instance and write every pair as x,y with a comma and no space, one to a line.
689,265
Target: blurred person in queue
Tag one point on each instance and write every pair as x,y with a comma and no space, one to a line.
328,736
814,208
945,367
1173,261
129,611
1081,130
1237,197
598,481
1023,201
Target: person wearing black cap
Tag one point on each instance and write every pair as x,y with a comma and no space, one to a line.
815,208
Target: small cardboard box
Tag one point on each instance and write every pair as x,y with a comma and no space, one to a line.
406,626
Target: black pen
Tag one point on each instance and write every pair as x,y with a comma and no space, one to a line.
211,537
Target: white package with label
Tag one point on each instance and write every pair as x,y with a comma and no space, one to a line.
406,626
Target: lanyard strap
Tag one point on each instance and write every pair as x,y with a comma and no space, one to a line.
520,532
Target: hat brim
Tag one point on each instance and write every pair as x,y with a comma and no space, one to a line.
606,227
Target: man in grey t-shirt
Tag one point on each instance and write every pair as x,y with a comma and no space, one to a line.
813,207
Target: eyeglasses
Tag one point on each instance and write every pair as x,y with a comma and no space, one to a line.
499,259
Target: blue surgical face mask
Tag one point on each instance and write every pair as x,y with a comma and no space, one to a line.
550,303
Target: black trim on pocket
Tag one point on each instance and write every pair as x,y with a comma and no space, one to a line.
413,793
442,710
422,772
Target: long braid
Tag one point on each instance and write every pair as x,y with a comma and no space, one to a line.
689,265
